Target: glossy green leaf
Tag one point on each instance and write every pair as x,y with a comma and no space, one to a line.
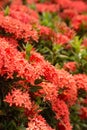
6,11
28,48
35,88
38,81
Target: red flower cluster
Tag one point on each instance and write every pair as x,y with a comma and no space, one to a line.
38,123
47,7
68,85
78,21
62,114
12,61
83,112
18,29
81,81
70,66
57,87
19,99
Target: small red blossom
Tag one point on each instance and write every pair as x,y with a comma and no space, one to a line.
47,7
83,112
81,81
64,3
46,33
70,66
68,14
16,2
51,74
79,20
79,6
38,123
65,30
62,114
61,39
24,9
18,29
67,87
12,61
3,3
18,98
23,17
49,91
84,43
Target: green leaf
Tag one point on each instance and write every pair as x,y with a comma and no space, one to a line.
24,2
76,44
12,125
56,47
47,19
38,100
32,6
35,88
38,81
6,11
28,48
21,127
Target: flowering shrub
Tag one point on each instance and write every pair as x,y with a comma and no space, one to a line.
43,65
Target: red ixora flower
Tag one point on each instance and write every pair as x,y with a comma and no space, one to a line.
61,39
62,114
24,9
79,20
70,66
38,123
49,91
68,14
54,76
79,6
47,7
18,98
23,17
12,61
65,30
83,112
81,81
18,29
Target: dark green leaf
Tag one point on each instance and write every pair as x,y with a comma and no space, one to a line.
38,81
35,88
21,127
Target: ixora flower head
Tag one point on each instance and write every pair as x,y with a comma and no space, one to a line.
47,7
81,81
83,112
12,61
38,123
60,80
62,114
18,29
19,99
70,66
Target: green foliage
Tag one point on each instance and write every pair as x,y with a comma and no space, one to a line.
6,11
35,88
12,117
77,123
48,19
38,81
28,48
24,2
42,1
48,114
32,6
